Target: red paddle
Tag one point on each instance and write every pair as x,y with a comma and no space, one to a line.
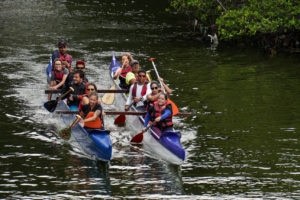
139,137
122,118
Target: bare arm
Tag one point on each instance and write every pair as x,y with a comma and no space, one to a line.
96,114
62,82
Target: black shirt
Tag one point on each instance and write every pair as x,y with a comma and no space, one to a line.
87,108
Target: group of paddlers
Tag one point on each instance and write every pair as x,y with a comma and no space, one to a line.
143,94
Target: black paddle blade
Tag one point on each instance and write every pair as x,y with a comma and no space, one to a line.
51,105
65,133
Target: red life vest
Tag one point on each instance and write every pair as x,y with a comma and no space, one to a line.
144,89
67,58
125,71
151,102
159,111
59,75
80,104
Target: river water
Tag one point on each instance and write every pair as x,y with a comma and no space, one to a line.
241,142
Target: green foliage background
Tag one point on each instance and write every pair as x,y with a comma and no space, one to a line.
243,18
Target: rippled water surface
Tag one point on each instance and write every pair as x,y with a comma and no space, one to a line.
241,142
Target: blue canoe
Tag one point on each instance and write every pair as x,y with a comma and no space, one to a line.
166,145
96,143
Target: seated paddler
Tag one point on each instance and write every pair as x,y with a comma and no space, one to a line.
73,98
132,76
156,91
58,76
138,92
91,87
125,59
160,114
91,113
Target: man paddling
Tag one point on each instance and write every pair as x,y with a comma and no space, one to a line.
79,89
132,76
62,54
80,65
138,92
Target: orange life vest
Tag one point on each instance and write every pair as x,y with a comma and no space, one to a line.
95,124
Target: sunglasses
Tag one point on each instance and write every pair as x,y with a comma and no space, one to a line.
154,88
142,76
80,67
90,89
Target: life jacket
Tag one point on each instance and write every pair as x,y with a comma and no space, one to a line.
122,77
144,89
149,103
159,111
95,124
67,58
59,75
125,71
80,104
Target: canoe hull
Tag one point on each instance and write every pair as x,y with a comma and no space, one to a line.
96,144
168,146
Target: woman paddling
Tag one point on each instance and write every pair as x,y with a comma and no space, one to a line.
126,59
160,114
91,87
156,91
91,113
58,76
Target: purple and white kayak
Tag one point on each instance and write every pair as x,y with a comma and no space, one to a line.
166,145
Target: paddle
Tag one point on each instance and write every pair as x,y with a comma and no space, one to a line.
122,118
109,98
98,91
119,113
139,137
66,133
174,107
51,105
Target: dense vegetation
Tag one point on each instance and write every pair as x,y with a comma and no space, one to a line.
273,24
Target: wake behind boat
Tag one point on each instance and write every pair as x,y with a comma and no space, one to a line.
165,145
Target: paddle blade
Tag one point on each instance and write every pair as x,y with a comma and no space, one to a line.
120,119
51,105
174,108
65,133
109,98
137,138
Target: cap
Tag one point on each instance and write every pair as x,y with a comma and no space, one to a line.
80,62
134,62
62,43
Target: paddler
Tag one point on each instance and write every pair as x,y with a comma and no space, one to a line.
80,65
58,76
125,59
156,91
62,54
138,92
160,114
79,89
91,113
132,76
91,87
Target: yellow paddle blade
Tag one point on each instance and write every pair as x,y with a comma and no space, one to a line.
109,98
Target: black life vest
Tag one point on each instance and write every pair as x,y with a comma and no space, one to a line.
159,111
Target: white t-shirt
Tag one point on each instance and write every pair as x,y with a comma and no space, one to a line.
138,94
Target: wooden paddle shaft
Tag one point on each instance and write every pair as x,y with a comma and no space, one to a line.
75,121
62,96
99,91
121,113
